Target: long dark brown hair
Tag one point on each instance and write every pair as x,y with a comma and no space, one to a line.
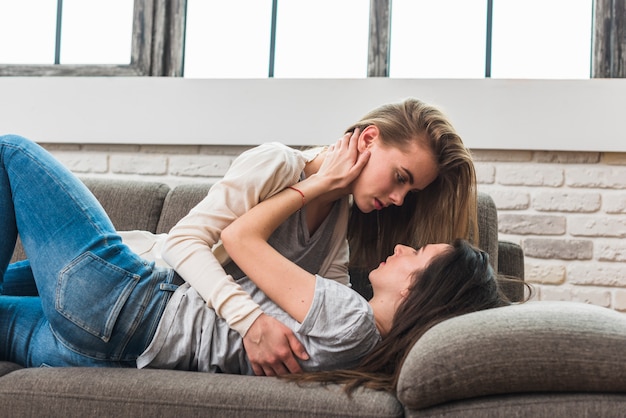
456,282
443,211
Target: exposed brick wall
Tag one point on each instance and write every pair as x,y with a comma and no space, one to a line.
568,212
566,209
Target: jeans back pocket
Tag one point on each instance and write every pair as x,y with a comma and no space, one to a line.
91,292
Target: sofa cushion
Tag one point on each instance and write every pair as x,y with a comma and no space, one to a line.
80,392
533,347
179,202
531,405
130,204
7,367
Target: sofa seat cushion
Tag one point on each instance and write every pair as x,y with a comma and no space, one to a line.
80,392
532,347
7,367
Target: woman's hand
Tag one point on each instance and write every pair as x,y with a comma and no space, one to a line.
343,162
272,348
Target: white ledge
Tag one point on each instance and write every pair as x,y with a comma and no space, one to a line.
567,115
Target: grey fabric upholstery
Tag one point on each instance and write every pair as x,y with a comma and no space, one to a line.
131,204
511,265
488,227
179,202
78,392
126,392
7,367
532,347
531,405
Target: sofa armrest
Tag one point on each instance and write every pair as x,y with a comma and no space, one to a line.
511,264
534,347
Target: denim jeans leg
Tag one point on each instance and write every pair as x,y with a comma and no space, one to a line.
94,292
19,280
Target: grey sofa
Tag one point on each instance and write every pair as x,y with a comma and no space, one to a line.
533,359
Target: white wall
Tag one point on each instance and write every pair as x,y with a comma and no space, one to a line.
567,115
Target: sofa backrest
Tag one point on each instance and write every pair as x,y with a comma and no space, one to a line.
156,207
130,204
179,201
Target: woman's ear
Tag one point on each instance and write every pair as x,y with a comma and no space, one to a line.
367,137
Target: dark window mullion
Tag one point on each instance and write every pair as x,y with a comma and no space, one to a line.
57,43
379,38
273,39
489,37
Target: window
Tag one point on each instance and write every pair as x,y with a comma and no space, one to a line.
313,38
542,39
438,39
228,39
297,38
75,37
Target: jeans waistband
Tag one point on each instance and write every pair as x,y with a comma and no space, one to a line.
171,286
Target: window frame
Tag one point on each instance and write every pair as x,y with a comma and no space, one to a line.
158,43
156,50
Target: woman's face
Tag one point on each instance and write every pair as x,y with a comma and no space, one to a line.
396,272
390,172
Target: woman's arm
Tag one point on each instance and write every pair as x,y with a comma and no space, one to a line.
188,249
246,238
254,175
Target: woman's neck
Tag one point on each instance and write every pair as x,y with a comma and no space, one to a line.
383,314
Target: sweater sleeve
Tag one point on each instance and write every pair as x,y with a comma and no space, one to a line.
254,176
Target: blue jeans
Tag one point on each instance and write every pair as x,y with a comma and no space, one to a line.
98,303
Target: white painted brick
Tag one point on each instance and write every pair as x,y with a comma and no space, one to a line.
544,273
501,156
614,158
200,165
148,164
485,173
597,226
532,224
510,198
558,249
79,162
614,202
535,292
108,148
54,148
602,177
530,175
566,201
567,157
170,149
231,150
597,274
610,250
619,300
594,296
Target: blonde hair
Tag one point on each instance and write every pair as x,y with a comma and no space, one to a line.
444,211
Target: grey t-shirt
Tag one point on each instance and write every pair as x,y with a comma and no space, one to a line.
337,332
